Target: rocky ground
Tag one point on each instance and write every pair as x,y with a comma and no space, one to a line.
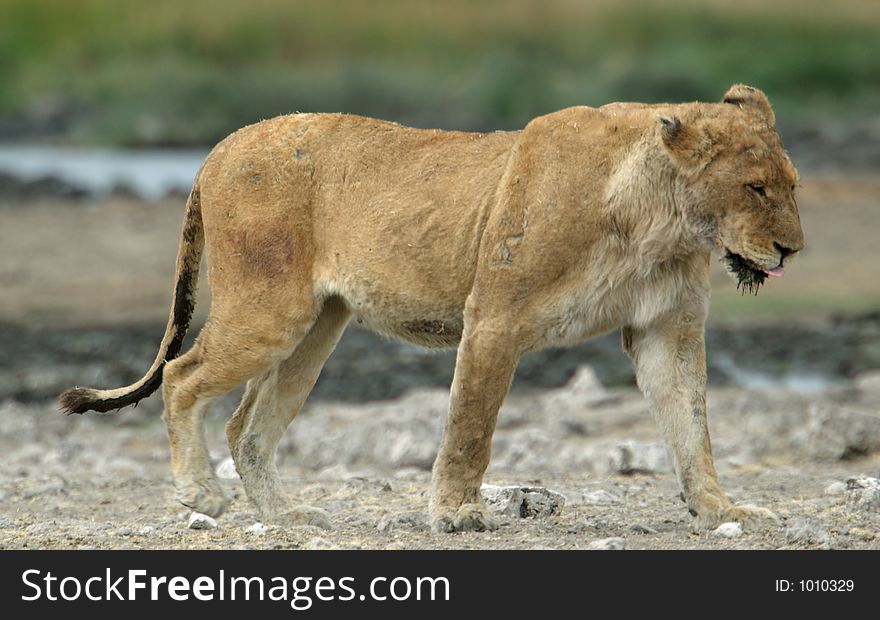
103,482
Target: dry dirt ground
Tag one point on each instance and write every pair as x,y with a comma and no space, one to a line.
104,483
793,407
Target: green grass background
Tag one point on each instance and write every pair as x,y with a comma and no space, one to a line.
172,72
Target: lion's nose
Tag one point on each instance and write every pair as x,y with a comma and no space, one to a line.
785,251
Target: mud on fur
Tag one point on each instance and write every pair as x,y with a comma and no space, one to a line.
748,278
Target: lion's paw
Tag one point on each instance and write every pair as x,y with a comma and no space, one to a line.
753,518
713,510
205,497
468,518
302,515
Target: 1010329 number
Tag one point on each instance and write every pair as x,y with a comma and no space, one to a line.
815,585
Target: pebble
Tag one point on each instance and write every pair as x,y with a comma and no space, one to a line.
257,528
729,530
198,521
146,530
608,544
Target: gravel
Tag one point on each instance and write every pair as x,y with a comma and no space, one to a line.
596,472
807,532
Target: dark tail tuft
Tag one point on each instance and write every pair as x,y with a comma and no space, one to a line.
77,400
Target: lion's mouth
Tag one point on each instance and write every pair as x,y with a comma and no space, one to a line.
749,277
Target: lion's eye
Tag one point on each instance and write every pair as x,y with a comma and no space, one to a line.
758,189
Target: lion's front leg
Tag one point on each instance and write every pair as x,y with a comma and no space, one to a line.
670,361
483,370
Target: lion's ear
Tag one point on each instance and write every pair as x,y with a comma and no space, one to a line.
742,95
682,141
670,127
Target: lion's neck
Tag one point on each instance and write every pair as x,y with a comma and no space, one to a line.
647,202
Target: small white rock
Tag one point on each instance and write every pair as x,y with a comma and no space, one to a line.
729,530
835,488
257,528
146,530
198,521
226,470
608,544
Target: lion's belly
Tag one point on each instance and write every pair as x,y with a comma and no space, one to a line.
406,307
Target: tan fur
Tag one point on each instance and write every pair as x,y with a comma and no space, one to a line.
500,243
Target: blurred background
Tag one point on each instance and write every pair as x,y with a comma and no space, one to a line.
107,108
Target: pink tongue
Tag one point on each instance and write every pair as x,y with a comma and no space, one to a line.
777,272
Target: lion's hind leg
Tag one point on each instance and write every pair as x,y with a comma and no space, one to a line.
228,352
269,405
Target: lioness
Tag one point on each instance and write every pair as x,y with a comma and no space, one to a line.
498,243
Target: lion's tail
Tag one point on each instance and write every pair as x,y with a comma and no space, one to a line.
189,254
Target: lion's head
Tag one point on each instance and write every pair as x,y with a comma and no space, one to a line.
741,181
